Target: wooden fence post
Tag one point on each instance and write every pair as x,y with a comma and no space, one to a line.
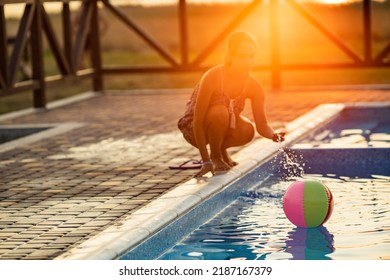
96,48
38,73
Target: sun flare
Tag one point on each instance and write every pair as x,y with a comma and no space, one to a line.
334,2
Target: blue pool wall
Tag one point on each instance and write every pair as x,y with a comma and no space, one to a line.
167,237
351,162
360,163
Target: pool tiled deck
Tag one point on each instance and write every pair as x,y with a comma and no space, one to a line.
62,190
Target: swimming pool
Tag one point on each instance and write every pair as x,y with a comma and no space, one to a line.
254,226
165,222
351,156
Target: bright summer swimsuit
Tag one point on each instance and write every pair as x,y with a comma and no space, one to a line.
235,107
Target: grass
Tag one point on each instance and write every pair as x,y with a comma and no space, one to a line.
300,42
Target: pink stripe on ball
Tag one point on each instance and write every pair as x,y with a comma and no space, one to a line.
293,203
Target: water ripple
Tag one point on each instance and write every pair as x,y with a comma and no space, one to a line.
255,227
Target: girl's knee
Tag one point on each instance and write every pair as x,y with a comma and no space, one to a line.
248,133
217,115
245,131
242,135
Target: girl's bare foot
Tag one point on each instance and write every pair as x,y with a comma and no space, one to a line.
220,165
227,159
231,163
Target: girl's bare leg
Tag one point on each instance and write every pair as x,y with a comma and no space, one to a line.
241,135
217,123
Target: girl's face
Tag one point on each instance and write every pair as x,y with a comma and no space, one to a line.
244,57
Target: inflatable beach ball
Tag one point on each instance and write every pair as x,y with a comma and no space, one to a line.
308,203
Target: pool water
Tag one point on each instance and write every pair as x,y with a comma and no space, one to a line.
254,226
349,152
354,127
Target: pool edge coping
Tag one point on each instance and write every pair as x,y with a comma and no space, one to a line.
52,130
118,239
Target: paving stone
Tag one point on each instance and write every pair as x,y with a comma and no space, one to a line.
97,223
4,251
51,223
124,207
78,209
44,254
68,226
13,230
67,240
90,214
59,231
135,202
106,206
10,245
22,237
14,256
60,218
76,234
79,220
40,242
30,221
31,245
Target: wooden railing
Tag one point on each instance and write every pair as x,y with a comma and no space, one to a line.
35,23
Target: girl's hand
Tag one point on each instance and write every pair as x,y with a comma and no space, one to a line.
206,168
278,137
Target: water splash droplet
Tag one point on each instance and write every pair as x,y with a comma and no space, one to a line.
290,164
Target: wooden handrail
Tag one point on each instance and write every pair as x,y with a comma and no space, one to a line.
35,23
